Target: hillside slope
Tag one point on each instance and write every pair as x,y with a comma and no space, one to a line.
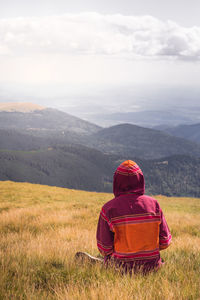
128,139
20,107
65,151
59,128
72,166
84,168
11,139
47,119
190,132
42,228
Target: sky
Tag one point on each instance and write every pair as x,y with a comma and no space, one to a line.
75,51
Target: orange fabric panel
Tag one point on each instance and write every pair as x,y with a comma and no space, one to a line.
131,238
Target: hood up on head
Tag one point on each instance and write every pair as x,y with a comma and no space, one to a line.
128,178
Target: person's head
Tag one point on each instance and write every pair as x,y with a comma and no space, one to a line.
128,178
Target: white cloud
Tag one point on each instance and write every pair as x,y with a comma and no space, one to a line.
132,37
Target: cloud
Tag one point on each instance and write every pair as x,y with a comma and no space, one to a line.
133,37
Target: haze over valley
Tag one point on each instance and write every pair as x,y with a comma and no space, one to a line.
143,105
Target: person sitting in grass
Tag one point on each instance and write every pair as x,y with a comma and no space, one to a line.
132,229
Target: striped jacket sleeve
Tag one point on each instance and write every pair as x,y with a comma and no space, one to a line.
164,234
105,236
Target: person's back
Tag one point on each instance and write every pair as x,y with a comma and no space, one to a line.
132,229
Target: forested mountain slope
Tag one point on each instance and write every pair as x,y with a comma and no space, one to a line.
128,139
51,147
79,167
75,167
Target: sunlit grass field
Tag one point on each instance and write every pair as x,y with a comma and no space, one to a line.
42,227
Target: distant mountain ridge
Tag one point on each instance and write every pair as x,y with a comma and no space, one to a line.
45,119
51,147
59,128
190,132
145,118
146,143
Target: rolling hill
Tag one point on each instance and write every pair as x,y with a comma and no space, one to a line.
12,139
50,147
54,127
79,167
69,166
189,132
43,120
26,107
128,139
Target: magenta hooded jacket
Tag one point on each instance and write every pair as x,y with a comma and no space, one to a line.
132,228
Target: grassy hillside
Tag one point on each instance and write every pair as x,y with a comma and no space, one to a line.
20,107
42,227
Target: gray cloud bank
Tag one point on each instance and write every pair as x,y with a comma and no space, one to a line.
133,37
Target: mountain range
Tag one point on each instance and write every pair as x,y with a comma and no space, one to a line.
23,117
47,146
167,117
54,127
132,140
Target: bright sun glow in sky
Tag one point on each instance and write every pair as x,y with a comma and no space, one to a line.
89,44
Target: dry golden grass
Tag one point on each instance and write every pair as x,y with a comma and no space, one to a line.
41,228
20,107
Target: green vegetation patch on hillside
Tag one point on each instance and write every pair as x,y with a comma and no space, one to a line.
42,227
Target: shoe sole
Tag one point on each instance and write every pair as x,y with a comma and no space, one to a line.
84,256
